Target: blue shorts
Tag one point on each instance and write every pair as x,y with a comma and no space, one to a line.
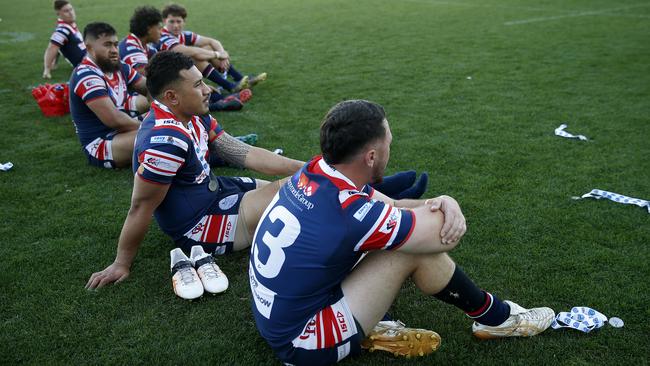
215,231
100,152
331,335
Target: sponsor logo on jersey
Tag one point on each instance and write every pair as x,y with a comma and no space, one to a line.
391,221
246,180
263,297
299,195
171,140
92,82
227,202
309,187
363,211
341,319
310,329
302,181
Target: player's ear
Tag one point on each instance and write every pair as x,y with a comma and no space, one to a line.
171,96
370,157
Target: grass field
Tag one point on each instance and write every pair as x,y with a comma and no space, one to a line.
473,92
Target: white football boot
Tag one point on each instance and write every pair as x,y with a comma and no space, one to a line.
185,280
521,323
394,337
213,279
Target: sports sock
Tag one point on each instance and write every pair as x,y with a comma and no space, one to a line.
394,184
417,190
215,97
479,305
212,74
236,75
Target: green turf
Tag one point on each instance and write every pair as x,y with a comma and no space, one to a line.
486,140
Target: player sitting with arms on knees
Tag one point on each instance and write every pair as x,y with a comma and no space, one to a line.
173,180
174,33
66,39
100,103
138,47
316,297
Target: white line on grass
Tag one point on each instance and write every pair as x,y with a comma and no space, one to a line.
626,16
455,3
573,15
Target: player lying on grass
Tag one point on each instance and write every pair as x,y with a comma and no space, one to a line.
316,296
173,180
100,103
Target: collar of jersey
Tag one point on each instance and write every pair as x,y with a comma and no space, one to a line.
135,39
88,62
319,166
166,113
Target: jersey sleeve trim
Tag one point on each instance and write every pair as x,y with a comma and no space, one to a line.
408,235
384,213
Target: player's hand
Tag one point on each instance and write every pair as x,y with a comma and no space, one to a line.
115,273
454,226
46,74
224,65
223,55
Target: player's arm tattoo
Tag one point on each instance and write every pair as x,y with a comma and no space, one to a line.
230,149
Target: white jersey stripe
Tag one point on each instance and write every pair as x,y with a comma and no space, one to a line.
156,171
379,221
163,154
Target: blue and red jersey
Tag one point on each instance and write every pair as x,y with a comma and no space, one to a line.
167,152
308,241
87,83
168,40
134,53
70,41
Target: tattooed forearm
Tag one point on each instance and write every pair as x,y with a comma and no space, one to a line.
230,149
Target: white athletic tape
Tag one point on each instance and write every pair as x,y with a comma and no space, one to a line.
599,193
560,132
582,318
6,166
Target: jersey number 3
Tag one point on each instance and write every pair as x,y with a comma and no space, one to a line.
286,237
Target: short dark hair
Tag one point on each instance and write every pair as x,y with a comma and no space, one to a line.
348,127
143,18
174,10
97,29
58,4
164,68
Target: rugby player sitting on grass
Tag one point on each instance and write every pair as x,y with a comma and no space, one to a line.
174,183
316,296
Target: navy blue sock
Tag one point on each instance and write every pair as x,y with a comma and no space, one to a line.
236,75
394,184
215,97
479,305
493,312
417,190
214,75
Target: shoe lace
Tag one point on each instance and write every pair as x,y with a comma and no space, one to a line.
532,314
187,276
211,270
